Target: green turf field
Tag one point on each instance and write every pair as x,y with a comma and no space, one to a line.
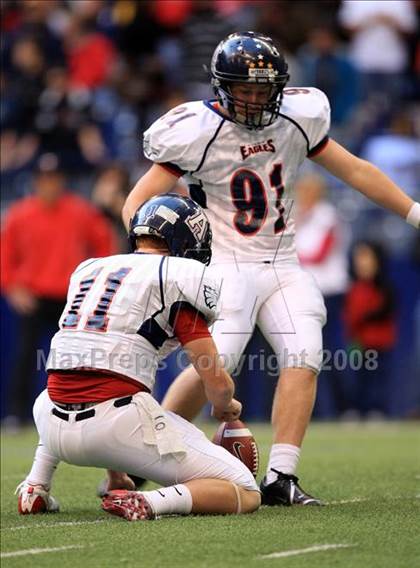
369,474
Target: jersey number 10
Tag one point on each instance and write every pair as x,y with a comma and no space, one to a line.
249,196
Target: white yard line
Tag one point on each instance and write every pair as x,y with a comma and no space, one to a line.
38,551
318,548
53,525
345,501
363,499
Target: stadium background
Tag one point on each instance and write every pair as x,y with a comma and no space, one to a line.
82,79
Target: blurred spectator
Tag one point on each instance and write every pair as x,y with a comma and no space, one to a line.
140,78
44,237
11,16
322,238
415,56
325,66
379,47
322,241
17,152
92,145
26,80
397,151
64,120
172,13
273,19
414,411
31,19
10,107
289,22
90,54
241,13
138,31
204,29
370,318
109,194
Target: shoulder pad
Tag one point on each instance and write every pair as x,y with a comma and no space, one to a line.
179,138
309,109
195,285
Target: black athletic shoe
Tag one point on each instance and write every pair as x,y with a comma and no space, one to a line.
285,491
138,481
101,490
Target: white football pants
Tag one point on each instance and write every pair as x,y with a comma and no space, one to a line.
120,438
283,300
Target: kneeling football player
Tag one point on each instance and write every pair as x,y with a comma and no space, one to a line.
124,314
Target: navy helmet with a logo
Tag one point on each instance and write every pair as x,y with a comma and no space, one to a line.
179,221
249,57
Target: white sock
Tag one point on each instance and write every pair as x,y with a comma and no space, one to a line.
284,458
173,500
43,467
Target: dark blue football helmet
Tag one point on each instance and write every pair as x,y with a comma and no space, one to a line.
249,57
179,221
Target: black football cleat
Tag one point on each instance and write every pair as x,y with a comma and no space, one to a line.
138,481
285,491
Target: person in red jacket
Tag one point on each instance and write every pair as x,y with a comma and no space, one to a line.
370,319
44,237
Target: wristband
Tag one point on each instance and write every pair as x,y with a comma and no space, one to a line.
413,217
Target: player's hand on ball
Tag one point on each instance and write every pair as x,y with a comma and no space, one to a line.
228,413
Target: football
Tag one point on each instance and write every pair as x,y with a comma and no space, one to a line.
237,439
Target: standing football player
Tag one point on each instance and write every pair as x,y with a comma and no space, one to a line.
240,155
124,314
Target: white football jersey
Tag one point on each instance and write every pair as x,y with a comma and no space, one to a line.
120,312
243,178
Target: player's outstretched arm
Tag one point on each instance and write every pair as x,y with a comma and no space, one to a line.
369,180
218,384
155,181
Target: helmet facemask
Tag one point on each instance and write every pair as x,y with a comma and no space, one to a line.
249,58
254,116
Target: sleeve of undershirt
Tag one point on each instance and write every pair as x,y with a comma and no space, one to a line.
189,325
